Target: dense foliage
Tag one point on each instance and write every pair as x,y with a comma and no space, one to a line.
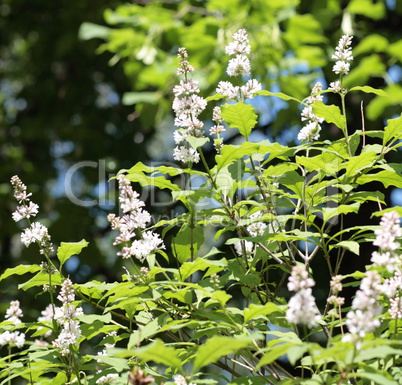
186,311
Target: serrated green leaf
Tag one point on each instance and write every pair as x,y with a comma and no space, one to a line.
200,264
331,212
68,249
387,178
241,116
331,114
393,128
157,181
20,270
158,352
369,90
232,153
255,311
216,348
358,163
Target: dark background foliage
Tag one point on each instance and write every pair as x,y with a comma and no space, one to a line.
91,82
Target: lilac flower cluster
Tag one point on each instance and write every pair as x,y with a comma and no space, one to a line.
302,308
239,66
312,130
363,317
129,225
343,55
13,315
187,105
66,316
36,233
389,259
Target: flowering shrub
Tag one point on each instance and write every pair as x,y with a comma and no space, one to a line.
172,318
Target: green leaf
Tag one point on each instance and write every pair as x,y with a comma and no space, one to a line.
378,378
130,98
387,178
256,311
274,353
241,116
157,181
144,332
331,114
89,31
393,128
369,90
232,153
200,264
158,352
89,318
118,364
216,348
188,240
68,249
358,163
20,270
215,97
277,94
330,212
367,8
40,279
352,246
196,142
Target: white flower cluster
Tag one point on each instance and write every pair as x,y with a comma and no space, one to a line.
343,55
218,128
312,130
46,318
108,379
256,229
390,259
334,299
361,319
112,377
302,309
107,345
134,218
27,208
13,314
187,105
66,316
239,66
36,233
180,380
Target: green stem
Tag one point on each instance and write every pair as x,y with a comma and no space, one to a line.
346,123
